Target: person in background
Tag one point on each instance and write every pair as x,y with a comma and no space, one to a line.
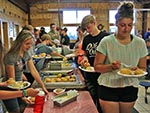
117,94
37,36
147,34
42,31
43,47
65,40
15,61
78,45
89,45
54,34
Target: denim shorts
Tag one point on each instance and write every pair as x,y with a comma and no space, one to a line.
126,94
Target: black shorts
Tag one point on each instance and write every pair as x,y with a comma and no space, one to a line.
126,94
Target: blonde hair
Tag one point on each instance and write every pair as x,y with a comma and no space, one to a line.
22,36
45,37
87,20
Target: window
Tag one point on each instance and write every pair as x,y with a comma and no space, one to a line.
74,16
72,19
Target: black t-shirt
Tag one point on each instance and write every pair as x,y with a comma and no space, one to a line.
65,40
90,44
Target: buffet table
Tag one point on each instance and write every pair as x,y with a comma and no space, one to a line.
79,85
83,104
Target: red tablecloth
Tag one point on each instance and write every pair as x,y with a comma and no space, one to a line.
83,104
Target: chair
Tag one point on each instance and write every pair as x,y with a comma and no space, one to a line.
146,84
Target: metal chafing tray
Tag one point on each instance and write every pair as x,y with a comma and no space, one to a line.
62,84
78,84
64,98
59,65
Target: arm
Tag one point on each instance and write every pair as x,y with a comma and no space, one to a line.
56,54
99,65
24,78
36,75
10,71
15,94
142,63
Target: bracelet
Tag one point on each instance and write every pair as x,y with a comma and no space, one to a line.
24,92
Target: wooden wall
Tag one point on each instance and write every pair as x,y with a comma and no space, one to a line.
11,16
41,17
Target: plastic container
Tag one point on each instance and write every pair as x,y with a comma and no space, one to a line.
39,102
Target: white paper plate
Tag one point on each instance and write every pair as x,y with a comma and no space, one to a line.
25,85
48,57
70,55
125,75
86,70
57,71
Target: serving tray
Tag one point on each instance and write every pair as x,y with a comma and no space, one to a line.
64,98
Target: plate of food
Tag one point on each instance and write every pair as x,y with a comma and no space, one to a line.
87,69
19,85
32,100
39,56
126,72
48,56
58,91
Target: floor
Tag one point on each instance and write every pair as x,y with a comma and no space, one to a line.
140,105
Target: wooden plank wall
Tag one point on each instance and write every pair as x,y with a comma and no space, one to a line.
11,15
41,17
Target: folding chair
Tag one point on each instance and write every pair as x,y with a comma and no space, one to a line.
146,84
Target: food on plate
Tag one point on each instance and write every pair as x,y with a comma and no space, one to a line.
11,81
89,68
138,72
14,83
86,64
126,71
58,90
32,99
41,55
